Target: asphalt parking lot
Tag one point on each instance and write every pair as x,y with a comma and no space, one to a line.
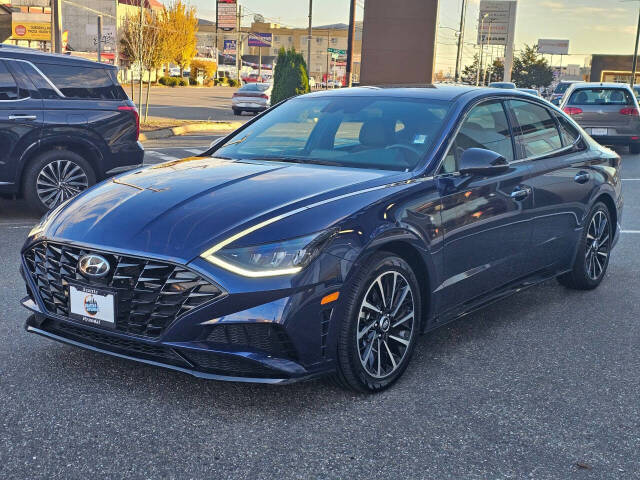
543,385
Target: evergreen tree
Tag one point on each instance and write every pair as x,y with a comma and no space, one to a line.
289,76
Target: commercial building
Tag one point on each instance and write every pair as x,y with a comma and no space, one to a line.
613,68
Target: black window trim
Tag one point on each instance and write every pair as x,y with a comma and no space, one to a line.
473,105
554,153
55,89
4,60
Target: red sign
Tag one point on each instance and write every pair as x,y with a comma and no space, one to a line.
21,30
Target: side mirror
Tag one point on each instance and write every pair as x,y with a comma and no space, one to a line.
478,161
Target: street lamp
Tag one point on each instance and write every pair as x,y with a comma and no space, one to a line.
481,48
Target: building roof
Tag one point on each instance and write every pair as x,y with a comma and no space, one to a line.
152,4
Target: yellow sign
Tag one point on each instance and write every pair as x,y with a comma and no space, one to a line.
31,26
31,31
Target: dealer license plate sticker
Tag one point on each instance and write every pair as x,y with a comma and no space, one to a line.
92,306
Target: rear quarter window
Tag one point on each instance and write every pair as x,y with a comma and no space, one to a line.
601,96
84,82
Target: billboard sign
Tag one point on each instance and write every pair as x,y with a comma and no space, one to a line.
553,47
230,47
260,39
496,22
31,26
227,11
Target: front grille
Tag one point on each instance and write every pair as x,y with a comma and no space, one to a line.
267,337
150,293
230,365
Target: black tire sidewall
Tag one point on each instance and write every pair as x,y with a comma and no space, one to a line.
350,369
37,164
580,268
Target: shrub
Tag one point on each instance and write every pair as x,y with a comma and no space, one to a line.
290,76
233,82
182,82
172,81
193,81
163,80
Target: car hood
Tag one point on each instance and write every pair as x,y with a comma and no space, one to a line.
177,210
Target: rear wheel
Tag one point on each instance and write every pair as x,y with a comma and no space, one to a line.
54,177
237,112
592,258
381,323
634,148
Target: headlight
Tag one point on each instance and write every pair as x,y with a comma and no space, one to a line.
269,259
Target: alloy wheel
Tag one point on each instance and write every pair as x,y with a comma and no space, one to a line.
598,245
60,180
385,324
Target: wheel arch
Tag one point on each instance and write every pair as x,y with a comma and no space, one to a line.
611,206
86,150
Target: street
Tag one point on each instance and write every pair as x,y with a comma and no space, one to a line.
192,103
541,385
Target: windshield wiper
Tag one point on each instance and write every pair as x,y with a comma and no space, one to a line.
314,161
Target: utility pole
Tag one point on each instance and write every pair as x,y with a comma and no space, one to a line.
140,50
486,66
309,35
350,42
99,38
326,81
635,54
463,16
56,33
481,48
238,41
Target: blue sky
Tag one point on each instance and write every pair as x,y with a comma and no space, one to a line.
592,26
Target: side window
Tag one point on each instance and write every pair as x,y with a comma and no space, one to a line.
537,133
568,132
8,86
83,82
485,126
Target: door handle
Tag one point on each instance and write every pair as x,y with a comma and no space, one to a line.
520,193
23,117
582,177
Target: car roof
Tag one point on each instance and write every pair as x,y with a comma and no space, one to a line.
33,55
586,85
449,93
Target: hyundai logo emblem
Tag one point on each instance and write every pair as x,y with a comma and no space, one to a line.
93,265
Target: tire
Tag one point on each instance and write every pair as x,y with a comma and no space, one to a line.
237,112
39,179
366,335
634,148
592,258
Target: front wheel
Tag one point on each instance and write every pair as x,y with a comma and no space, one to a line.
382,318
592,258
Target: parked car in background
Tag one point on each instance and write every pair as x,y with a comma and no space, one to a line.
636,91
560,90
252,97
507,85
65,123
326,235
530,91
609,112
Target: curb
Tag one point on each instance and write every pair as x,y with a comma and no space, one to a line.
193,127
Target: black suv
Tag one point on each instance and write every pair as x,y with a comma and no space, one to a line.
65,123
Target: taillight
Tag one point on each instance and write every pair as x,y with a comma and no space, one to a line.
632,111
264,96
234,95
134,110
572,110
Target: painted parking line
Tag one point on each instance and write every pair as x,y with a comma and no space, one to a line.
629,231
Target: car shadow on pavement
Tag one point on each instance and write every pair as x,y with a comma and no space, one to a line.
440,356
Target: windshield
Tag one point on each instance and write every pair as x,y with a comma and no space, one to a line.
561,88
601,96
363,132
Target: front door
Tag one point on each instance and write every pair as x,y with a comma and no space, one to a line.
485,220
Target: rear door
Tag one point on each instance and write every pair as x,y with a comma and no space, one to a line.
21,119
562,181
485,220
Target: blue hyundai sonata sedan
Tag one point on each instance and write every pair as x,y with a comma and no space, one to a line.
324,235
